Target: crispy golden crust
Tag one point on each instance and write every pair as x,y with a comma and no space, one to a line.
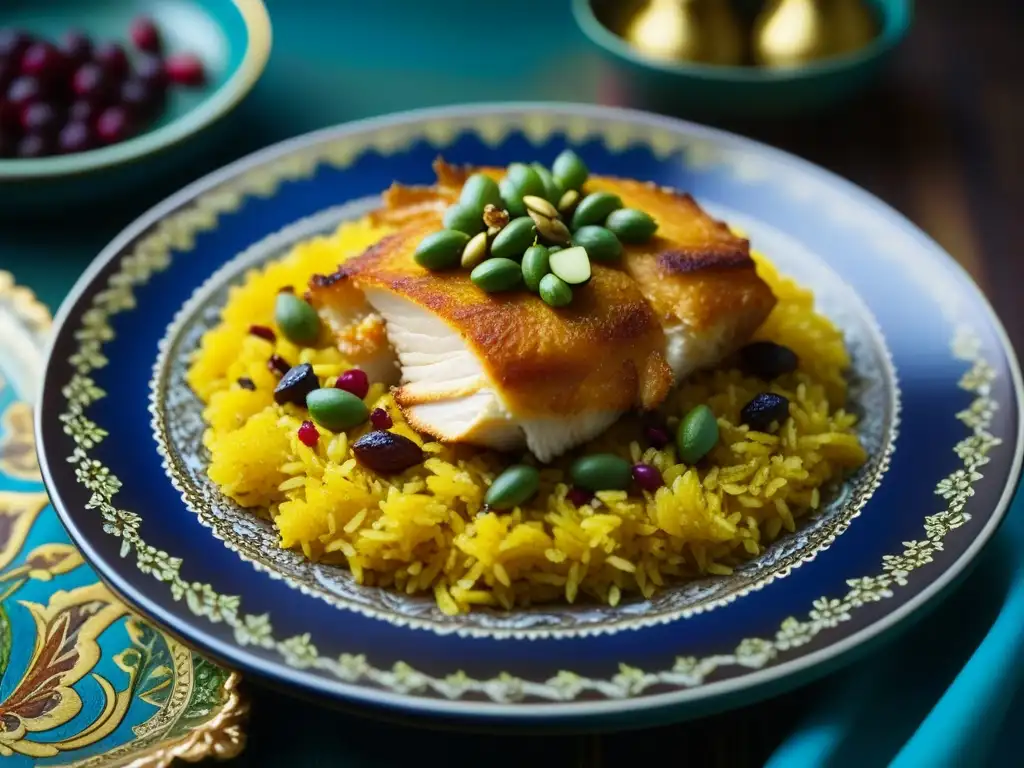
604,352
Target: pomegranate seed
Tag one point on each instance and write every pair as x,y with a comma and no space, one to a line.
657,437
647,477
76,47
33,145
579,496
354,381
13,44
381,419
263,332
308,434
138,98
40,117
75,137
82,112
24,90
150,70
113,125
112,58
93,83
246,383
42,60
184,69
144,34
277,364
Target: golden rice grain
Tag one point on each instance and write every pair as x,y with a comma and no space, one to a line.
429,533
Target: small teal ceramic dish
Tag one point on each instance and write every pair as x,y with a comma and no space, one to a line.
231,37
698,90
933,378
83,681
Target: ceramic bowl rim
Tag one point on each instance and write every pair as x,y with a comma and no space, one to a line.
257,52
896,21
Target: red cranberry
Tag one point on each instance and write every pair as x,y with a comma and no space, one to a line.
44,61
82,112
93,83
34,145
13,44
381,419
139,98
579,496
114,125
75,137
647,477
150,70
184,69
354,381
76,47
40,117
308,434
657,437
112,58
23,91
145,35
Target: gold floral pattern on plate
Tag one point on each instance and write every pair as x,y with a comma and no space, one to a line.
177,231
66,668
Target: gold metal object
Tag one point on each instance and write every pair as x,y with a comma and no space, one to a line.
703,31
790,33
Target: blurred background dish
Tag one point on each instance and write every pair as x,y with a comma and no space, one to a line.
750,58
220,47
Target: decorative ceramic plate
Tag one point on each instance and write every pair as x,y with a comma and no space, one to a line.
933,378
82,680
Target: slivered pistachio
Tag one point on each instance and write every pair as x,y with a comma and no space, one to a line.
567,202
540,205
552,230
476,250
495,216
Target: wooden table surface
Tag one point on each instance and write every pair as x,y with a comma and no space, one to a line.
940,138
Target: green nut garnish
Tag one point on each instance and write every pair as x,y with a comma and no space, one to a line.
296,319
441,250
569,171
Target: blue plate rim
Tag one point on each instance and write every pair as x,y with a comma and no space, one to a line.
803,665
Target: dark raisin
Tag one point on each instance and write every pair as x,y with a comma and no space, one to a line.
263,332
277,364
764,410
767,360
387,453
295,385
246,383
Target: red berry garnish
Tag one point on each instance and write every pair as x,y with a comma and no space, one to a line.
579,496
44,61
114,125
93,83
40,117
34,145
647,477
355,382
13,44
308,434
139,98
381,419
150,69
657,437
145,35
184,69
263,332
112,58
75,137
277,364
76,47
23,91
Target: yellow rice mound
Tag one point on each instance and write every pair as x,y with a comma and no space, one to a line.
425,530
